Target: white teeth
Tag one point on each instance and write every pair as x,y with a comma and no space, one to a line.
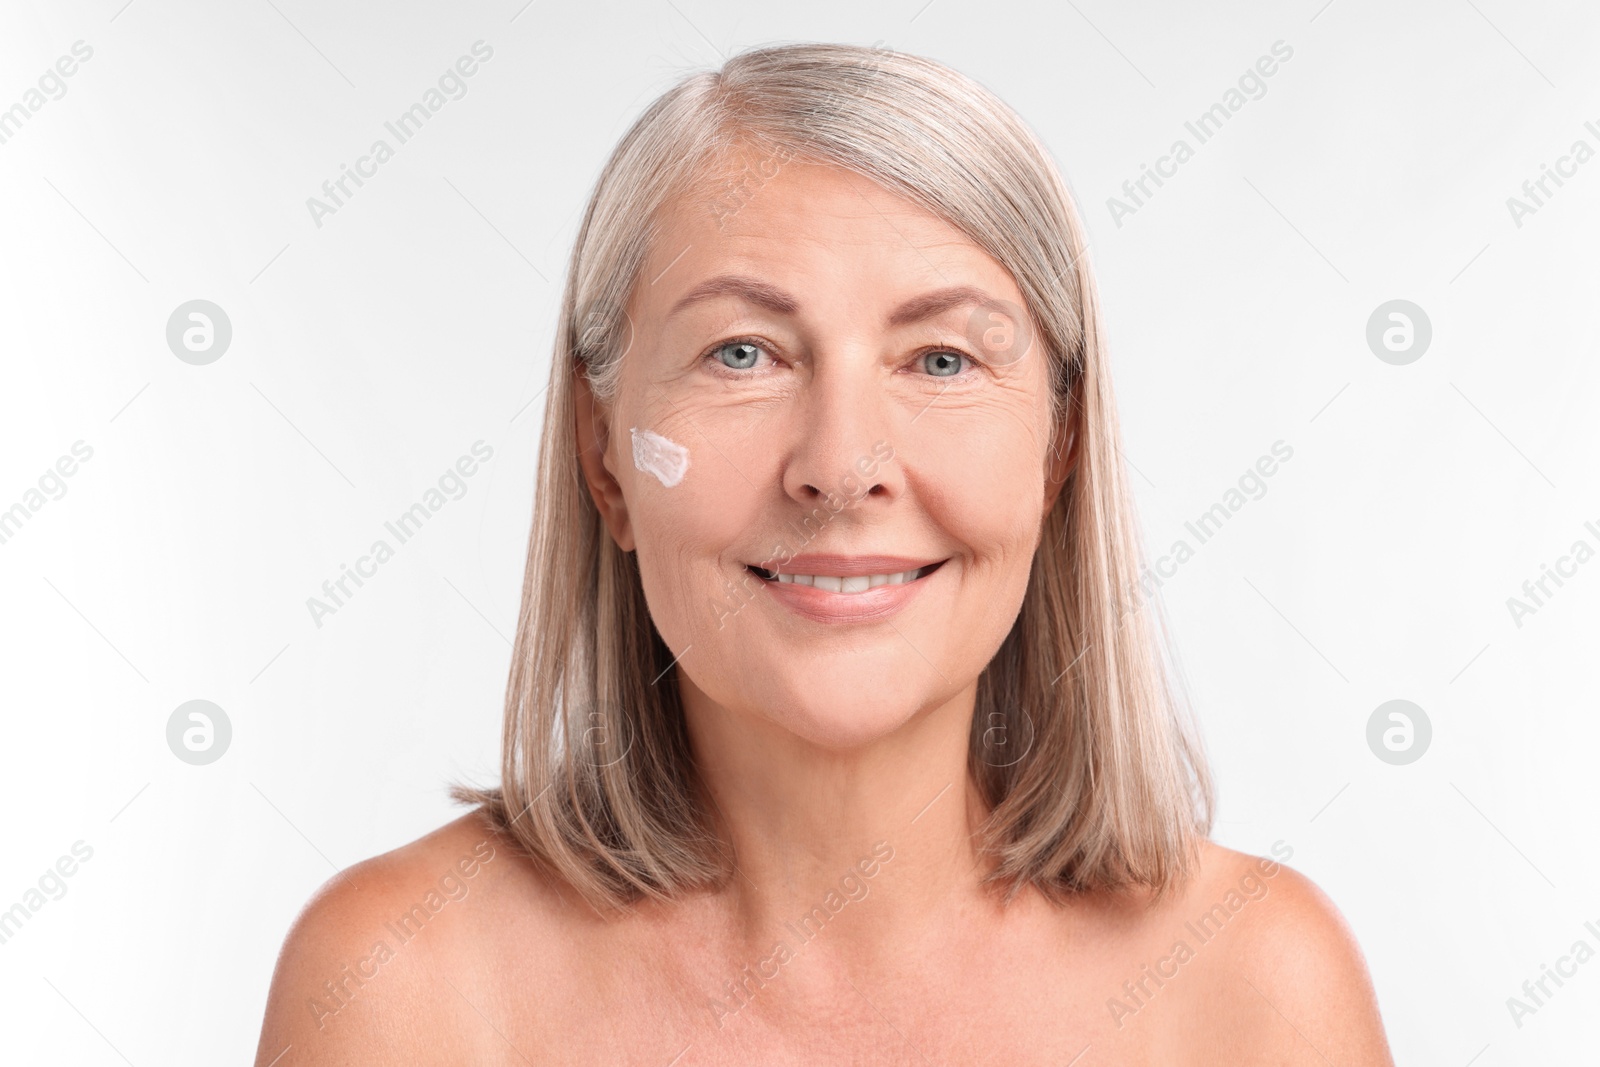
854,584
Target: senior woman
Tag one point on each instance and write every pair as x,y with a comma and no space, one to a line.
837,727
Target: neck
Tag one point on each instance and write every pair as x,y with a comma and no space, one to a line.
814,827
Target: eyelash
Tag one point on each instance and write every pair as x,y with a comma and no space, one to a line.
722,369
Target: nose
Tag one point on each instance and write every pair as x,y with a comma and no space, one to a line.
843,449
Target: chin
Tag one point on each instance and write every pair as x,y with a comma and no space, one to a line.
850,710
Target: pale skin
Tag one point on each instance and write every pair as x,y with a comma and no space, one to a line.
811,759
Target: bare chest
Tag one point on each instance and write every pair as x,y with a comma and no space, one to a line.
682,1005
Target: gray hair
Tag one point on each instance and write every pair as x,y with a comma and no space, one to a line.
597,780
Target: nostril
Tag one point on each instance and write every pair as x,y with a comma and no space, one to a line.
857,492
848,490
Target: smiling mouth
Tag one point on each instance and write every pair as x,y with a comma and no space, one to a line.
848,584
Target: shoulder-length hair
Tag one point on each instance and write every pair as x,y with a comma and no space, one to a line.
598,782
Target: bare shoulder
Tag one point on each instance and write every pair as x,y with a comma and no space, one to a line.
395,959
1292,973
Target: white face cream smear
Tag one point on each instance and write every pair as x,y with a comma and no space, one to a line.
654,454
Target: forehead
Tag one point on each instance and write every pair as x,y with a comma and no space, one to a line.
808,225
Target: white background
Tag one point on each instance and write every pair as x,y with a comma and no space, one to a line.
369,353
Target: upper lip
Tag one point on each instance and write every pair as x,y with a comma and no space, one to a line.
846,566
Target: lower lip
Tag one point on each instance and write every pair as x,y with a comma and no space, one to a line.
824,605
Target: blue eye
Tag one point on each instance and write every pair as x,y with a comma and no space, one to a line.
943,364
738,355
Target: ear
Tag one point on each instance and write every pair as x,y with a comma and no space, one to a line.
593,426
1063,459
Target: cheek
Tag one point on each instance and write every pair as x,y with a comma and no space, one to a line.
980,470
972,478
685,530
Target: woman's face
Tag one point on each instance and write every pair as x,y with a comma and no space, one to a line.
825,380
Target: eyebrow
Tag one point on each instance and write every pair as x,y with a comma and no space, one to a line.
766,295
